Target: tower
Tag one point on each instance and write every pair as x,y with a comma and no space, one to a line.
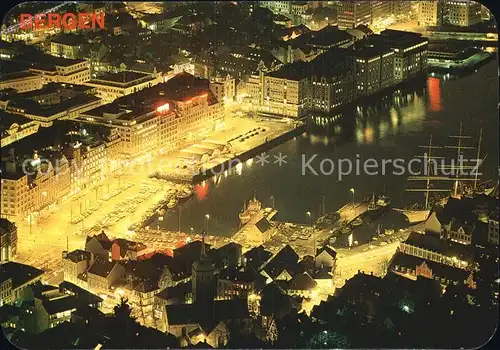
203,278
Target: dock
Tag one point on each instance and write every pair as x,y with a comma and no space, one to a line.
415,216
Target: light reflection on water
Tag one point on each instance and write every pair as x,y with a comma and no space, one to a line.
388,128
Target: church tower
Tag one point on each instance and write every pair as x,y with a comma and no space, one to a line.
203,279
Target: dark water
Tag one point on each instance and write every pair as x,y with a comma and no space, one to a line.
389,128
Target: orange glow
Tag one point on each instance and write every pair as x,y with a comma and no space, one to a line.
181,243
201,191
163,108
434,89
368,135
204,95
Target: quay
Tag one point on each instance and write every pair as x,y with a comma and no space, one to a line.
259,148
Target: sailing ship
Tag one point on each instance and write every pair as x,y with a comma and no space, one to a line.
463,173
254,206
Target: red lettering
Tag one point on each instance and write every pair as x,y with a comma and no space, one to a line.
26,21
83,20
40,21
54,20
98,18
69,21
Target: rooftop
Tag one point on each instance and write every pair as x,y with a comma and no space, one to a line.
125,78
20,273
224,310
78,255
47,62
61,304
101,267
442,271
29,106
294,71
286,258
16,75
302,281
433,243
69,39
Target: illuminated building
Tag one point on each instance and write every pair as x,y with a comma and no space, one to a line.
8,240
139,130
462,13
414,267
32,185
224,89
485,13
102,275
331,84
15,280
401,8
111,86
380,10
61,70
21,81
233,283
197,109
67,46
76,263
15,128
54,101
410,52
285,90
430,13
292,8
89,163
162,117
353,13
493,228
277,6
374,69
432,248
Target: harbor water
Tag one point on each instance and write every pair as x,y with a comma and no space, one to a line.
389,128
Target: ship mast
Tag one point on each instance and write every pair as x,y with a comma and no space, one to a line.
459,148
478,155
427,177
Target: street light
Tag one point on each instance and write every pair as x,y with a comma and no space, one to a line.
207,216
308,213
352,191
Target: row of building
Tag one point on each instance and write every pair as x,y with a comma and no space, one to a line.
340,75
104,123
178,290
461,13
351,14
455,237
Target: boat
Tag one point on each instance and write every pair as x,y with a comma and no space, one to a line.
485,188
378,205
172,203
383,201
357,222
254,206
